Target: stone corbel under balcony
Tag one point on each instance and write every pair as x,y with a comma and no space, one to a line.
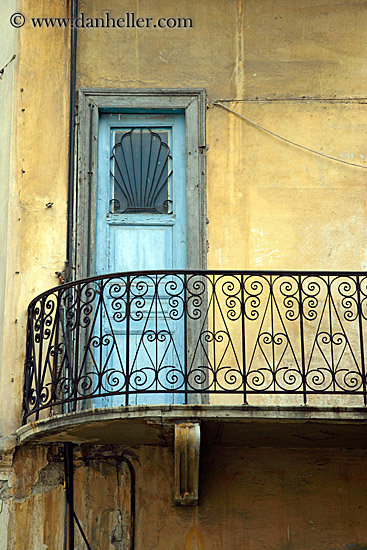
187,455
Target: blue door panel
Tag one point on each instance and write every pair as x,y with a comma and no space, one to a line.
141,238
133,240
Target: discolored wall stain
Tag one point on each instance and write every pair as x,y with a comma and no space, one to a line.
194,540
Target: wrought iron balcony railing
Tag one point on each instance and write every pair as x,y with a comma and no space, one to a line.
164,337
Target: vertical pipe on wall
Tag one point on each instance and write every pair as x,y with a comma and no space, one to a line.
70,206
68,449
132,502
64,546
69,486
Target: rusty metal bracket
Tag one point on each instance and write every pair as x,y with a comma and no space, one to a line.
187,455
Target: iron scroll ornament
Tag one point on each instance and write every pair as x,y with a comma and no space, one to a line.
140,173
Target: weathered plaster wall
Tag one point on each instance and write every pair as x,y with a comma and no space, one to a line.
249,498
8,243
282,207
282,498
305,48
8,198
42,146
37,144
36,500
270,205
236,48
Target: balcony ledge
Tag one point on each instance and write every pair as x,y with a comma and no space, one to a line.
224,425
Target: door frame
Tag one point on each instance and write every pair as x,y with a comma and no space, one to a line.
91,103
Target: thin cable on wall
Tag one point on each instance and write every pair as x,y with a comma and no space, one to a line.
285,139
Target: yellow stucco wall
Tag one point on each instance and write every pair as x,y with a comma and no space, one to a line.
8,197
8,212
282,207
36,235
235,49
270,205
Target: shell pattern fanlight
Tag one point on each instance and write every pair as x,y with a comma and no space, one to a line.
140,173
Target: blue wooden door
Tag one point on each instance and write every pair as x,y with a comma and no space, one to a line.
141,225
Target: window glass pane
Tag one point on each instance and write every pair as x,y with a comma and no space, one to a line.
141,171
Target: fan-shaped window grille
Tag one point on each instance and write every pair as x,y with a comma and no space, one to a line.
141,171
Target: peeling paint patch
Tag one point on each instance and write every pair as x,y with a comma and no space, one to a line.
119,536
5,493
49,478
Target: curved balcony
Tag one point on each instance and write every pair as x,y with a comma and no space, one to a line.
251,338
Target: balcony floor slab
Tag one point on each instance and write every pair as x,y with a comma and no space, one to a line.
234,426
